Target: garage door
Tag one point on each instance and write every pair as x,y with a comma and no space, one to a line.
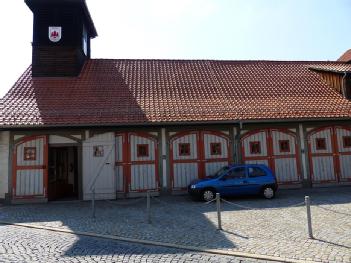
195,155
330,154
136,162
30,162
275,148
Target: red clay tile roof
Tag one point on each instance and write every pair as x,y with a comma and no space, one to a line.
346,57
116,92
339,68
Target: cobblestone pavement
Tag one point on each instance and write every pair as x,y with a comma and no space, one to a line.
18,244
271,228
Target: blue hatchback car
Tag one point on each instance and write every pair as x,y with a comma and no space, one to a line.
236,180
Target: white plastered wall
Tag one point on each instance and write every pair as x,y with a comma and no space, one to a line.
4,162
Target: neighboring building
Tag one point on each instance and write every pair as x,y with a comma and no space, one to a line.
72,124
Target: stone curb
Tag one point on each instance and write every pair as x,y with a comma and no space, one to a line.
162,244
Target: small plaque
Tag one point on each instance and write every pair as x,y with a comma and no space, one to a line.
55,33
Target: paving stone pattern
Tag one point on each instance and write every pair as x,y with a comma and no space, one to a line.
18,244
272,228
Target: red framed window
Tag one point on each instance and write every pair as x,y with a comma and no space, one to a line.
255,147
216,148
321,144
346,141
142,150
284,146
29,153
184,149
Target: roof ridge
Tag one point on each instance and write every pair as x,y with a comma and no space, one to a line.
218,60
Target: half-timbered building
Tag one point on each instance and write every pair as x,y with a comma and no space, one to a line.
72,125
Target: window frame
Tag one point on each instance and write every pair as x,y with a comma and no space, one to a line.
213,146
143,153
188,149
324,144
252,143
281,142
346,141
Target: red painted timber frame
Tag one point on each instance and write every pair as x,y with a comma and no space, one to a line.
44,167
127,163
270,157
200,160
335,153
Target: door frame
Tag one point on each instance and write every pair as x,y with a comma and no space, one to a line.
271,157
127,163
335,153
44,167
200,151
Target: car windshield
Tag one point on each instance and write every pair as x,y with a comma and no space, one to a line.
220,172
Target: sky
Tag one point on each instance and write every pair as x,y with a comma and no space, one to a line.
192,29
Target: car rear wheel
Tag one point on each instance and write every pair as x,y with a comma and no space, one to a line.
268,192
208,195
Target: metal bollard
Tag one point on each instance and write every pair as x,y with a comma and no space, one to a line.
218,203
309,218
148,210
93,204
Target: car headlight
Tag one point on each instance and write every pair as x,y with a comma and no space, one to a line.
193,186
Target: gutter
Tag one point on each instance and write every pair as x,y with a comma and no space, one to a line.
178,123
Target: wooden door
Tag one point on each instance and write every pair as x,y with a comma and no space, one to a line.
136,162
343,144
195,155
216,151
143,162
321,155
30,167
284,156
98,167
276,148
330,154
184,157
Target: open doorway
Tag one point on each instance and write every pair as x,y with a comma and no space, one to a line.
63,173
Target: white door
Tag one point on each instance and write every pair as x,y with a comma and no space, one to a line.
98,167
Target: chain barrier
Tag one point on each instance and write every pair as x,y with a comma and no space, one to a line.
255,208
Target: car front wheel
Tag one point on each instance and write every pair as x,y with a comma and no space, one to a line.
268,192
208,195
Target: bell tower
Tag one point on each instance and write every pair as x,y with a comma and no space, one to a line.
62,30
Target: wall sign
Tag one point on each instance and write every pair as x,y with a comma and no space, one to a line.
29,153
98,151
55,33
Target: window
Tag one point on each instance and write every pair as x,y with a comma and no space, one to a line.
30,153
236,173
320,144
184,149
216,148
255,147
142,150
284,146
98,151
256,172
346,140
